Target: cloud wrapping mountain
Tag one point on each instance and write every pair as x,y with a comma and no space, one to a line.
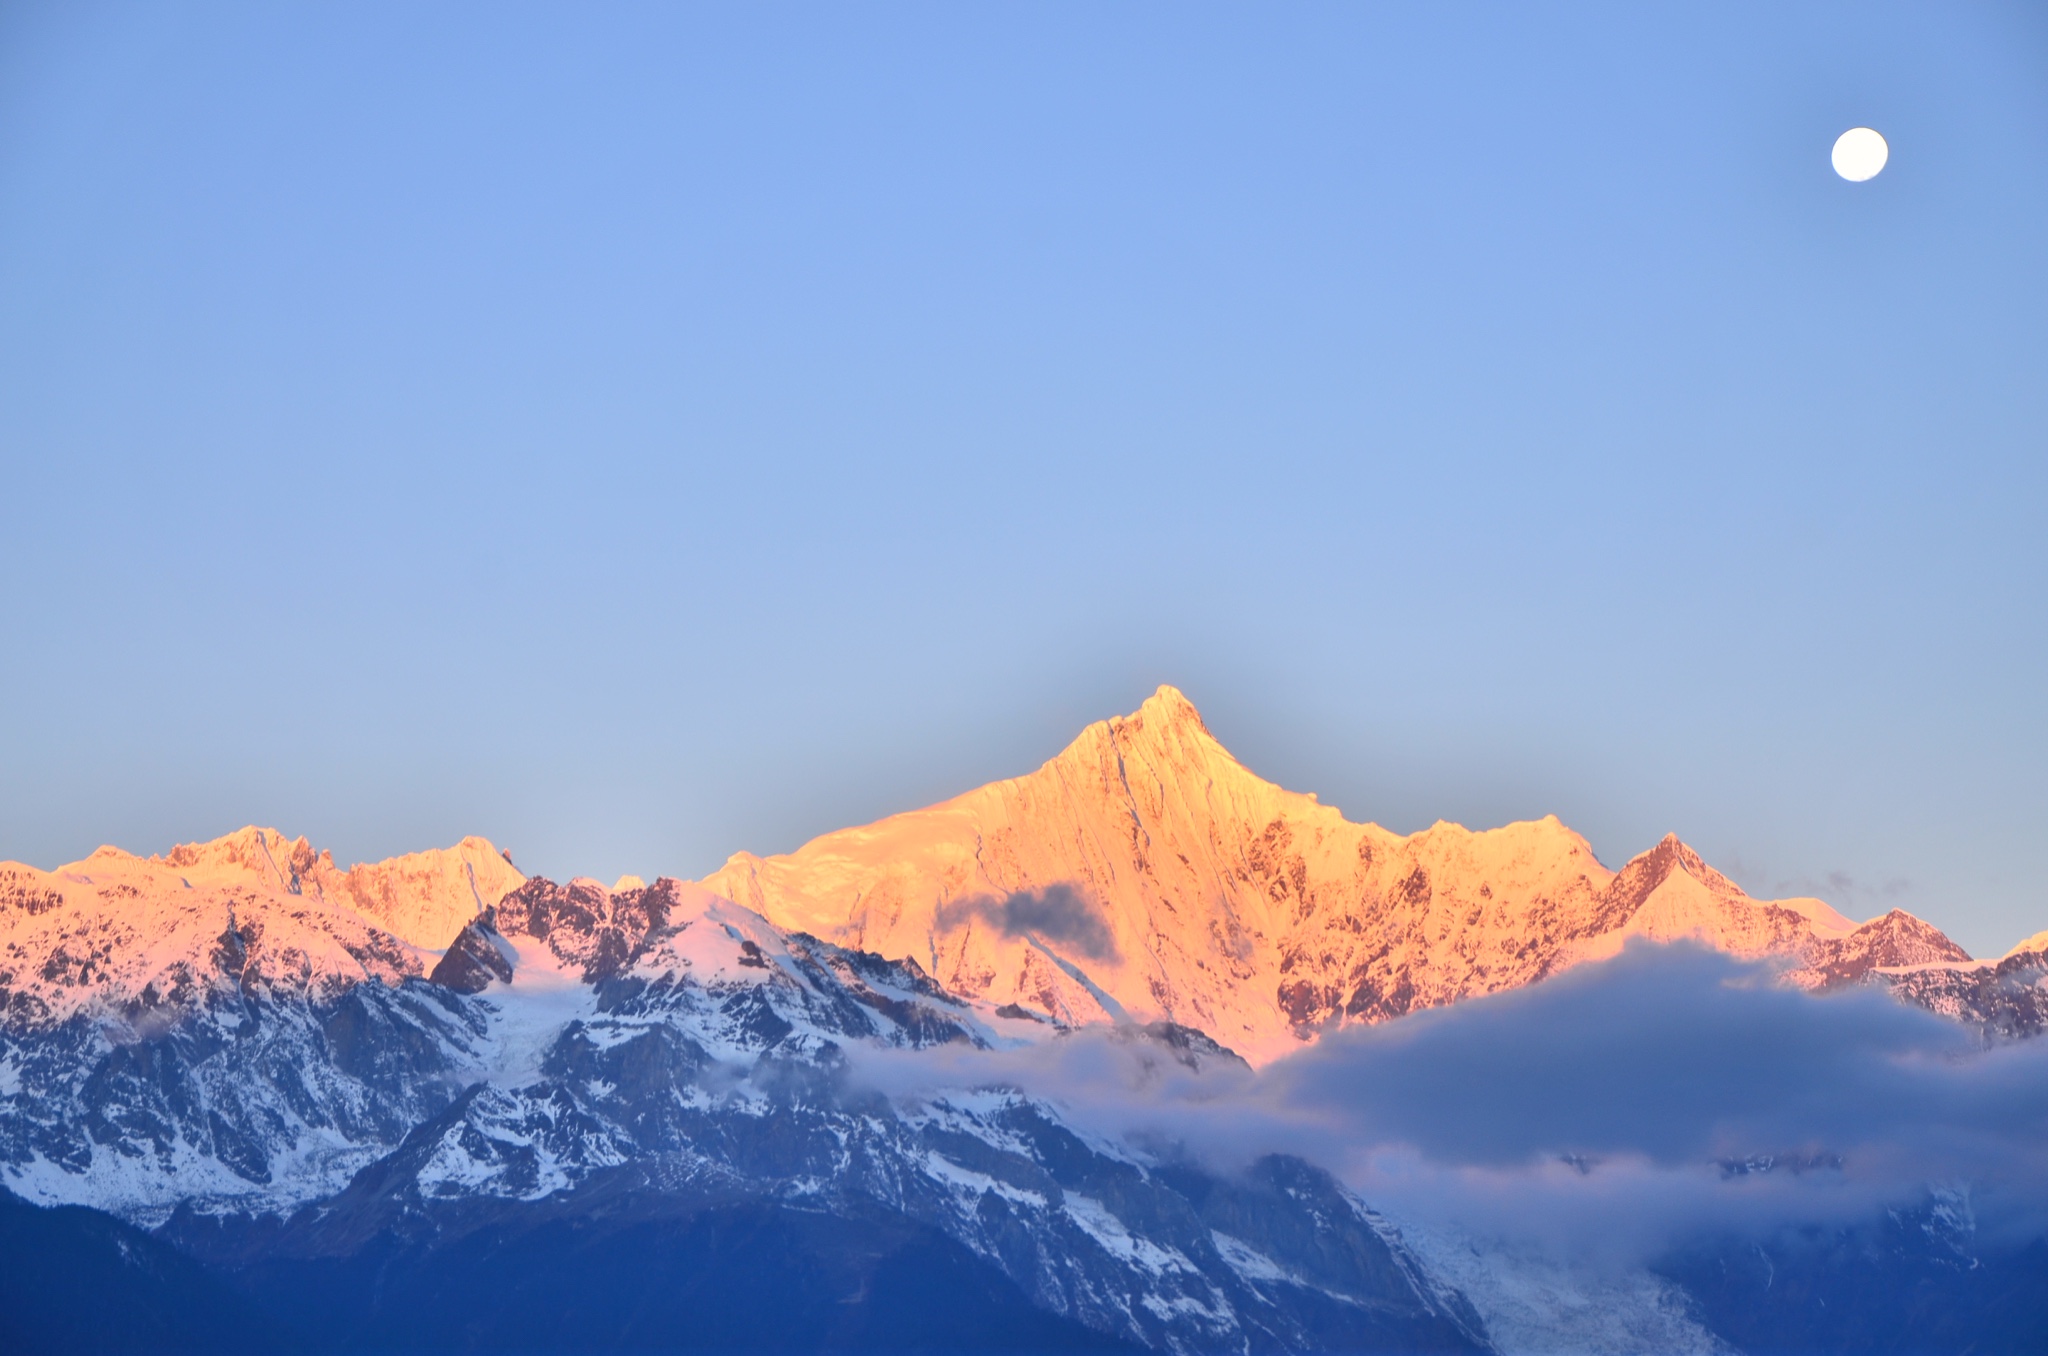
1670,1089
1676,1055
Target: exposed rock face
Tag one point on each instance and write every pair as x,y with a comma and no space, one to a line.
1278,1258
477,958
254,1049
250,1097
586,925
1145,873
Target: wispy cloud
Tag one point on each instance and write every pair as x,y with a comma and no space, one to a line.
1058,914
1854,896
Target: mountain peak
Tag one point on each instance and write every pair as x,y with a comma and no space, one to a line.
1915,940
1640,876
1164,723
1169,706
1163,742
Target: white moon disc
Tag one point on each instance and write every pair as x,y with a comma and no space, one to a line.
1859,154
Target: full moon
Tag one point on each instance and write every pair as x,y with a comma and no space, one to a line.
1859,154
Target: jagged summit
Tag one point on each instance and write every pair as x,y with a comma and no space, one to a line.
1164,737
1143,872
1644,873
121,933
422,897
1895,941
251,849
1167,709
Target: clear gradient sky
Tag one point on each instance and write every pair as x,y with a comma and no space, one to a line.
637,433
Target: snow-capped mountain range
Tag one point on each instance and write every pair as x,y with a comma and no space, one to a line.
1143,874
398,1056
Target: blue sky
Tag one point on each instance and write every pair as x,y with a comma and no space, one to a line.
640,433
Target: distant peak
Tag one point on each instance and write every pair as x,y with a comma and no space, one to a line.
1673,851
1900,923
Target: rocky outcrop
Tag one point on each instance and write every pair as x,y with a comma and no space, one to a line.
478,958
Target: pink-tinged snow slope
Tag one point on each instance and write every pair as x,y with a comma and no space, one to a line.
133,936
1144,872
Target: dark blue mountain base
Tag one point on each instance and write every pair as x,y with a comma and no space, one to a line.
625,1263
1902,1285
740,1278
746,1278
74,1280
606,1276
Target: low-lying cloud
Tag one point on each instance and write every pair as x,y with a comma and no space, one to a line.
1677,1055
1058,914
1625,1103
